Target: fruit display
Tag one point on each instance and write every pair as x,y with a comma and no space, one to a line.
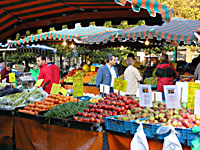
4,86
49,102
159,114
20,99
88,76
111,105
7,90
187,74
183,79
68,77
151,81
93,80
186,77
66,109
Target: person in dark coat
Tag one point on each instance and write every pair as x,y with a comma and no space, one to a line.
5,72
166,73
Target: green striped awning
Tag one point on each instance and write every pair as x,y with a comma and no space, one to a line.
21,15
66,34
178,30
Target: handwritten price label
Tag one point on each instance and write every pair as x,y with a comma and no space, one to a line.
191,93
92,68
78,86
63,91
11,77
120,85
55,88
38,83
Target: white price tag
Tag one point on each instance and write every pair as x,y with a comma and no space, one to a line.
197,102
104,88
145,94
172,96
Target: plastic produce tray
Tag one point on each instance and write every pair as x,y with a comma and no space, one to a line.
191,136
182,138
150,129
90,126
119,125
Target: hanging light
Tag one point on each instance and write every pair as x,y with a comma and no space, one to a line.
72,45
64,43
146,42
122,47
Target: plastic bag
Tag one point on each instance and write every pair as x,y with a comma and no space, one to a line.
36,94
139,141
171,141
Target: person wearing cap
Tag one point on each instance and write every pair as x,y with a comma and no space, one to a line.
107,73
132,75
5,72
54,69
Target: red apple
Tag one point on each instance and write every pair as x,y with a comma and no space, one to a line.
90,105
185,115
79,113
92,119
197,122
75,118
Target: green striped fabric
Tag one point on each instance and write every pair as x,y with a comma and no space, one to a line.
178,30
21,15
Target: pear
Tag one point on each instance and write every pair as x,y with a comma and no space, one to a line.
128,112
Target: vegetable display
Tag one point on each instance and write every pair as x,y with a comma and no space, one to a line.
48,103
20,99
66,109
112,105
7,91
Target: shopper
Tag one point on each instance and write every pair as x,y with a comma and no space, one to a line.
35,71
166,73
54,69
5,72
107,73
197,72
132,75
45,73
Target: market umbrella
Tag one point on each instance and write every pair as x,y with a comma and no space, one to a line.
66,34
177,30
21,15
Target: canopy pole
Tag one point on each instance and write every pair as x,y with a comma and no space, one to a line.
4,57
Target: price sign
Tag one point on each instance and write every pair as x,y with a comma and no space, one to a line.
11,77
63,91
175,65
38,83
191,93
55,88
172,96
145,94
197,102
120,85
92,68
78,86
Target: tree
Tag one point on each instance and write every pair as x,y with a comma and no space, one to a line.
188,9
63,51
28,57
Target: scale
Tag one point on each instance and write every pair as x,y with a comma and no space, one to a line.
26,80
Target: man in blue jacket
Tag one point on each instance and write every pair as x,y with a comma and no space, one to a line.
107,73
